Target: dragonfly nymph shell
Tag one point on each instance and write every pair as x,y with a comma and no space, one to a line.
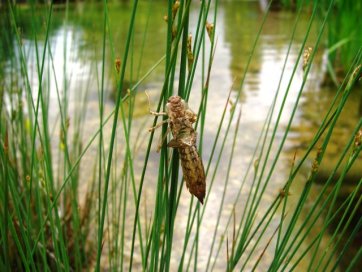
181,120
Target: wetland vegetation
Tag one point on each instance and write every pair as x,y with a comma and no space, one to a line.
277,92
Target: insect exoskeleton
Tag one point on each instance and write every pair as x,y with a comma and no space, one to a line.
180,120
175,107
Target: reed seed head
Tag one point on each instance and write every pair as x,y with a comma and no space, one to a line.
117,64
190,55
306,56
210,30
357,140
175,8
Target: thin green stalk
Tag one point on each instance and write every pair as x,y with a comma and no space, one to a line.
294,243
193,216
171,211
78,160
5,232
237,97
355,260
101,108
224,189
343,232
164,88
256,200
328,223
109,162
311,178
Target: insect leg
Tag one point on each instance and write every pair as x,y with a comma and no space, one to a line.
158,113
149,107
191,116
158,125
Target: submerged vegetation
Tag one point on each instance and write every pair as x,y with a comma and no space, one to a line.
82,188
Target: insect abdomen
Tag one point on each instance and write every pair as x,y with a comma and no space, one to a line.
193,171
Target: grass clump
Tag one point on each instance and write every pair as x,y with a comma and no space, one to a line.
50,221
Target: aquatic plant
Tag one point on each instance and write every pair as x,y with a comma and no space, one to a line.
344,35
50,222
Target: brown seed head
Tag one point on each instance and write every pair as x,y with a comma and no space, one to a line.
306,55
117,63
283,193
357,140
315,165
175,8
357,72
210,30
190,56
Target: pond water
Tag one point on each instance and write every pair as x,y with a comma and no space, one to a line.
76,48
